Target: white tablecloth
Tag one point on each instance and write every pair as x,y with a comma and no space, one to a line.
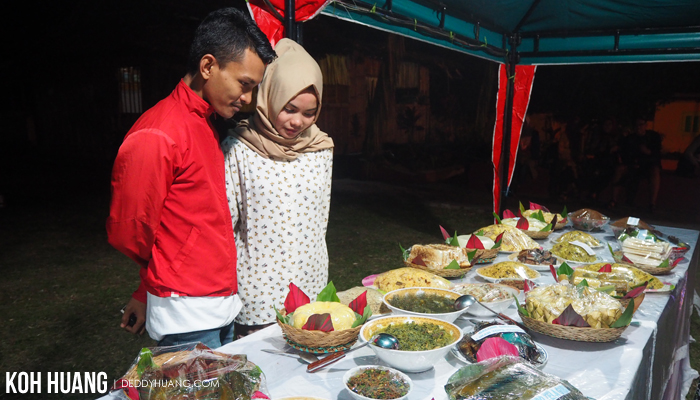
647,362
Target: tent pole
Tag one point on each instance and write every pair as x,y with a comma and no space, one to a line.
292,28
511,61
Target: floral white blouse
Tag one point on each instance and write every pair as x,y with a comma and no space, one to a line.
280,215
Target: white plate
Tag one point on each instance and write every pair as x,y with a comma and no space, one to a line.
536,267
468,330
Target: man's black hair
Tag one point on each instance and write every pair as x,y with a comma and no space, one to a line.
226,34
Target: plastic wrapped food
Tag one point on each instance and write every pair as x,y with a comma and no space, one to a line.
547,302
548,216
485,292
572,252
513,239
509,270
507,378
438,256
409,277
191,371
533,224
471,343
643,248
631,276
578,236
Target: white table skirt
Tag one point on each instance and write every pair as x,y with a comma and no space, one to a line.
644,363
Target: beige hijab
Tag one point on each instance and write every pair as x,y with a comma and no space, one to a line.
293,71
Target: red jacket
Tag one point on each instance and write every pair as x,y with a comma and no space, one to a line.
169,211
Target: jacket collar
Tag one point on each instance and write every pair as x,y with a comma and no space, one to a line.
193,102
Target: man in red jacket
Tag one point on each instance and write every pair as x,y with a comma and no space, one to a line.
169,211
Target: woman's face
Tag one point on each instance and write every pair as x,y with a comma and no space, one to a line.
297,115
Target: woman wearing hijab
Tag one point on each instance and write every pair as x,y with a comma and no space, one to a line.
278,179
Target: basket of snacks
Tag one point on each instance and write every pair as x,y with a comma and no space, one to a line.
440,259
178,368
511,273
323,326
645,251
547,216
575,312
533,226
486,249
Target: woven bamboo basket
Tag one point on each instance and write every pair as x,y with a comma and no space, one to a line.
650,270
601,335
537,234
445,273
484,256
560,224
318,342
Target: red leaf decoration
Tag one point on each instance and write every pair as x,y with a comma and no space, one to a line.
636,291
528,285
605,268
571,318
418,261
295,298
508,214
554,273
675,262
445,235
358,305
259,395
535,206
624,258
495,347
523,224
474,243
319,322
498,240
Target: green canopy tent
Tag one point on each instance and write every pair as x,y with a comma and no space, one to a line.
521,33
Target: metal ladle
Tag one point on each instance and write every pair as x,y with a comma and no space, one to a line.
463,302
383,340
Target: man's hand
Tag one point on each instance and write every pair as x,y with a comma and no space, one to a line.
139,310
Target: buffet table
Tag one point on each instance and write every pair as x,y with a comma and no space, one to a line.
647,362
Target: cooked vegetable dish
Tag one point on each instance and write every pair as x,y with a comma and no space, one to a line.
426,303
417,337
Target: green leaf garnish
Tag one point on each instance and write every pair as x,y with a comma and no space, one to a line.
453,265
546,228
284,318
471,254
145,361
612,253
480,232
522,208
582,284
564,269
606,289
563,212
328,294
404,252
538,216
360,319
625,318
497,218
521,309
454,241
664,264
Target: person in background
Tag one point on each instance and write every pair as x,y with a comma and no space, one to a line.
278,179
644,146
528,156
600,153
169,211
689,163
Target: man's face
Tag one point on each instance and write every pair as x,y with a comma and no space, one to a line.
641,127
228,88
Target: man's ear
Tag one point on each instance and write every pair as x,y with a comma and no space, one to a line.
206,64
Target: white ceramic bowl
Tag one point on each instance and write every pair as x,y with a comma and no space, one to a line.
409,361
449,317
357,370
498,306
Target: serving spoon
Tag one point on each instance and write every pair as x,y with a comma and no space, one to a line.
384,340
464,301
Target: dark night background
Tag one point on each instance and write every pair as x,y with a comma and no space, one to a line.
61,128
